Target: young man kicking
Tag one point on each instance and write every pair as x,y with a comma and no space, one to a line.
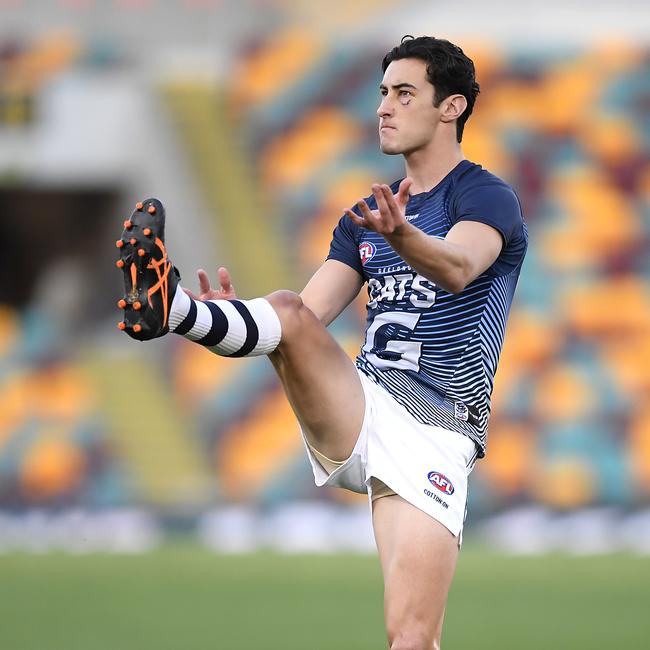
441,252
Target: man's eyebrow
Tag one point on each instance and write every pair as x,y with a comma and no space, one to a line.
398,86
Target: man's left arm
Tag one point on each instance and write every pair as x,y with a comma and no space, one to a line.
468,250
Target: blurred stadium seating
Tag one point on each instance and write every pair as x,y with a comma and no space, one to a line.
571,423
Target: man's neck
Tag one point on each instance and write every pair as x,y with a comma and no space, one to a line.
427,168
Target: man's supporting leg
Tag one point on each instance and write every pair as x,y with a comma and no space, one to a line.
418,558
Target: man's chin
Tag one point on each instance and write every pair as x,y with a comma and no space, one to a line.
389,149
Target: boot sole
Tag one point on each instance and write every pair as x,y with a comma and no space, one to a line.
149,278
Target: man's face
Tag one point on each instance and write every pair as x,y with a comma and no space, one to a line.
407,117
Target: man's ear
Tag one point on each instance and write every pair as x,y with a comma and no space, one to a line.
452,107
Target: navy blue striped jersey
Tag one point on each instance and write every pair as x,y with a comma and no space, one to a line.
436,352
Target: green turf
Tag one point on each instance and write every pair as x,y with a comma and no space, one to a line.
184,598
559,602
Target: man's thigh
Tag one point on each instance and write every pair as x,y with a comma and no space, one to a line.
319,378
418,558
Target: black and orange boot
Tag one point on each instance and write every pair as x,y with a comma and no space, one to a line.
150,280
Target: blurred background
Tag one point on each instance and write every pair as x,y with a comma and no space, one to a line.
254,122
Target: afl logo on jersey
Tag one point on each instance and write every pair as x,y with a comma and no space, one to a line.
441,482
367,251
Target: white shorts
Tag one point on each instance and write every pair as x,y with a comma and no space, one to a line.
427,466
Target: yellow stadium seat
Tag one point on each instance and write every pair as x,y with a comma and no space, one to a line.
47,57
482,141
511,459
510,104
15,404
199,373
51,467
255,449
61,393
614,307
614,55
612,139
275,66
563,392
568,92
530,341
318,138
639,449
629,361
565,483
588,232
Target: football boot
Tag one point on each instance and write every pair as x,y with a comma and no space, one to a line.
150,279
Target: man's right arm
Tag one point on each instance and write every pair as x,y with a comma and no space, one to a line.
331,289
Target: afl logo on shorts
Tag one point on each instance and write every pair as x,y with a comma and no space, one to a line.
441,482
367,251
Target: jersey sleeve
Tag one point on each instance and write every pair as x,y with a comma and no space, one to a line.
494,203
345,244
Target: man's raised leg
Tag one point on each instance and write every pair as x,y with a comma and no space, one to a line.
320,380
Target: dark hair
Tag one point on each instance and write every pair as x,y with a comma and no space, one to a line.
449,70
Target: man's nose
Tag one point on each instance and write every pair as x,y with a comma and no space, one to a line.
384,109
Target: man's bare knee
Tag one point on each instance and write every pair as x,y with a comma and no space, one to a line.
289,306
285,302
294,315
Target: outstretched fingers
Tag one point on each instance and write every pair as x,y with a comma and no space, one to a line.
224,280
204,283
365,220
225,292
403,191
353,216
380,198
394,205
391,208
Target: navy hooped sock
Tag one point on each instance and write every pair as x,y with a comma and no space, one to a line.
230,328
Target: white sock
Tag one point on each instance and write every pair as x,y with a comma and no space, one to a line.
231,328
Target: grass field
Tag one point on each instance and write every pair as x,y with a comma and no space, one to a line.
185,598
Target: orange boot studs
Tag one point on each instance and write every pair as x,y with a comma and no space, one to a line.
148,274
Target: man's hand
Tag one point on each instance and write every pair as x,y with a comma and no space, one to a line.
468,250
226,292
390,215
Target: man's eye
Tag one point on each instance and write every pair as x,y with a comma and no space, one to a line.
405,93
